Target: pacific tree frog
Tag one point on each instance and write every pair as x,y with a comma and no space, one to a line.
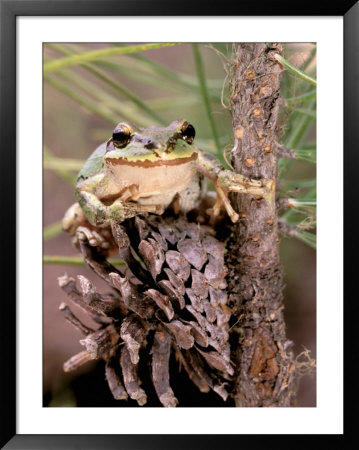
142,170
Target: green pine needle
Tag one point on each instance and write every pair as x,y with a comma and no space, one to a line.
299,73
74,260
204,92
73,60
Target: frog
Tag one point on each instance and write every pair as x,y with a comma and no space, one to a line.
145,170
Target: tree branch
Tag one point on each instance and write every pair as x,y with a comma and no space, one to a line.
264,363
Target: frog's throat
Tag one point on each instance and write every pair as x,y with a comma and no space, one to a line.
162,162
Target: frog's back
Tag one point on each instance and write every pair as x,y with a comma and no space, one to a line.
93,165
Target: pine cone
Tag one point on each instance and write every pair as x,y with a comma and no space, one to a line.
171,297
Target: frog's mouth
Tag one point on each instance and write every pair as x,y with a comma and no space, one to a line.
148,163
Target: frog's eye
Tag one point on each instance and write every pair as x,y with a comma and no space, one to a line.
188,132
121,136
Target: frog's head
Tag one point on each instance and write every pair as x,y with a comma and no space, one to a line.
151,146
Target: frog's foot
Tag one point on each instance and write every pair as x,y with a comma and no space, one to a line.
96,238
229,181
235,182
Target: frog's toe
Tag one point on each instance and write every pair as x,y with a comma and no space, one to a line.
82,233
222,199
94,238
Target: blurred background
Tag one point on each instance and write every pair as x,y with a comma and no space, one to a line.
88,89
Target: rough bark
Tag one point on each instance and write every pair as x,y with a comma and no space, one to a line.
264,363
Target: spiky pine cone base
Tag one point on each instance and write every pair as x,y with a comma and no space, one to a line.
171,297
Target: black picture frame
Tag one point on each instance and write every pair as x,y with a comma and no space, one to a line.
9,10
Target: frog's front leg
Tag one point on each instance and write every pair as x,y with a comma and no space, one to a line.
101,215
76,225
228,181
